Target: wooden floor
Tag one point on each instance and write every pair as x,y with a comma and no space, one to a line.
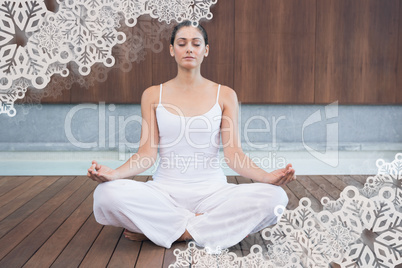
48,222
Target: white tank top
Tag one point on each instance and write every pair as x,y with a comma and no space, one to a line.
189,145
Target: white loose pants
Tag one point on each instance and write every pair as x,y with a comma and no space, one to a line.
162,211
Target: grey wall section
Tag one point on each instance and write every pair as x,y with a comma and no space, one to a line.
91,127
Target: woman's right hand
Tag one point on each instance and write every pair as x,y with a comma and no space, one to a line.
281,176
101,173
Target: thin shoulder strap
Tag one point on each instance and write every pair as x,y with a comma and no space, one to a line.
217,96
160,94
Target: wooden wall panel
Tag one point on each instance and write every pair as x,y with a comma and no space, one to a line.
219,65
356,51
164,66
55,92
274,51
120,86
399,70
52,5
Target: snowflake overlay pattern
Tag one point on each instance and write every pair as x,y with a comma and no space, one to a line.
82,32
363,228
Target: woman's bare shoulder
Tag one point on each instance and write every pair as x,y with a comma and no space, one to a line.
151,94
228,98
228,94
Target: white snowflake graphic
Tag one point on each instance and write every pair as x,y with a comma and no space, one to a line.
36,43
18,21
363,228
389,175
339,237
49,37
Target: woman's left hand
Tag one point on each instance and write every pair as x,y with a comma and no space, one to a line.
102,173
281,176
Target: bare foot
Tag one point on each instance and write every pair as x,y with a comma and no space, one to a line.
186,235
135,236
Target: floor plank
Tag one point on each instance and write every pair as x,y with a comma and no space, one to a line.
22,194
300,191
349,180
103,247
77,248
326,186
237,250
231,179
9,183
20,189
169,257
24,250
335,181
49,251
48,222
142,178
18,225
314,189
151,255
293,200
360,178
125,254
241,179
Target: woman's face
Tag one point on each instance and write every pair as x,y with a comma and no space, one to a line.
189,47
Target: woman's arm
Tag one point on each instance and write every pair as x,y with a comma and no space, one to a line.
235,158
147,152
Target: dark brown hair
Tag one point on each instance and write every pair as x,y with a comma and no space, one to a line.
187,23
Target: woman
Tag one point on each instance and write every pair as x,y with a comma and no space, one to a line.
189,197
